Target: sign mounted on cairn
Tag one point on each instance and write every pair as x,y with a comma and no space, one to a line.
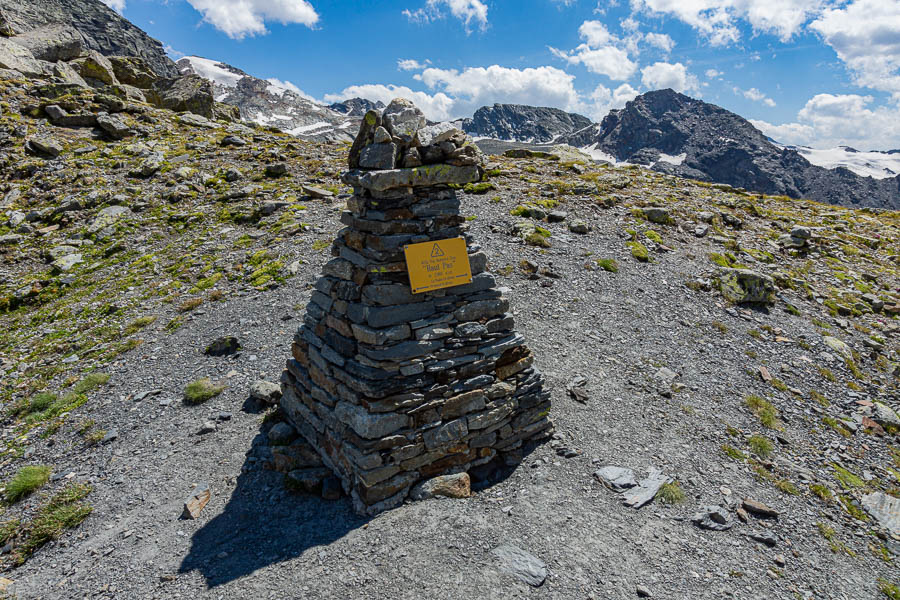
396,376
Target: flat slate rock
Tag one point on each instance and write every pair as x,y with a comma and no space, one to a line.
885,509
714,518
618,479
646,489
522,565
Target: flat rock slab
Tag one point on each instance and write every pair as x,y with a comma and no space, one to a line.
618,479
885,509
646,489
522,565
714,518
440,174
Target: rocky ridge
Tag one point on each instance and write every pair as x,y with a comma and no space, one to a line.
520,123
732,354
265,103
87,23
713,144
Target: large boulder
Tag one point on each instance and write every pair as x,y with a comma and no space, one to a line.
64,71
746,286
190,93
96,66
53,42
19,58
134,71
403,119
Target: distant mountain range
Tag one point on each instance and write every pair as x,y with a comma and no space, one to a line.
662,130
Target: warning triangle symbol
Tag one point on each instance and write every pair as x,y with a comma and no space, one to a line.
436,251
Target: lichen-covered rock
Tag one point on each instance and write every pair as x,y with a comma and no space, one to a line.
403,119
53,42
428,175
190,93
448,486
18,58
132,70
743,285
95,66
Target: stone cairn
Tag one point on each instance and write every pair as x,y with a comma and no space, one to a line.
392,387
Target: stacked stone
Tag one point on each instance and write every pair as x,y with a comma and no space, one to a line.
392,387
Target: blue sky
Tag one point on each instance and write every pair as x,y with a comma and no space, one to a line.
814,72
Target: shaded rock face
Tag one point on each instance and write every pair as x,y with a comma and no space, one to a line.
723,147
522,123
189,93
262,102
101,29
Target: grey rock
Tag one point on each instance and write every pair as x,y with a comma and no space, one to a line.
378,156
646,490
316,192
712,517
278,169
643,591
366,425
701,230
67,263
381,136
763,537
55,42
557,216
111,435
437,133
108,216
95,66
206,428
522,565
265,391
427,175
190,93
403,119
655,214
44,145
18,58
579,226
885,509
618,479
281,434
223,346
114,126
743,285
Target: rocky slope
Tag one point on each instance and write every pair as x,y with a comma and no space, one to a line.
265,103
122,260
713,144
520,123
99,28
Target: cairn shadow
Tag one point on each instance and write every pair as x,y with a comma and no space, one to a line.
262,524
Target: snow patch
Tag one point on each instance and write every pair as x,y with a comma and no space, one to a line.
878,165
675,160
309,128
596,154
212,70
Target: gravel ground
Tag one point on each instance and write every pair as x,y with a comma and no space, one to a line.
255,539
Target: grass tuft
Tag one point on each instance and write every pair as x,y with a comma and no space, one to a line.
763,409
61,513
671,493
198,392
26,480
608,264
760,445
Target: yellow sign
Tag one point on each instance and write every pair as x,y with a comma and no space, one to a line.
438,264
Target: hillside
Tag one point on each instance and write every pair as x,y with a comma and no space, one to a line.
123,260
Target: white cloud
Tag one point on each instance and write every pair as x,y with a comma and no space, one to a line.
408,64
718,19
602,100
454,93
866,36
116,5
755,95
240,18
438,107
467,11
662,75
661,41
712,73
829,120
600,52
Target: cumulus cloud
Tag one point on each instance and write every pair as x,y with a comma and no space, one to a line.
470,12
116,5
829,120
661,75
240,18
865,34
458,93
602,100
600,53
712,73
755,95
661,41
408,64
718,20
